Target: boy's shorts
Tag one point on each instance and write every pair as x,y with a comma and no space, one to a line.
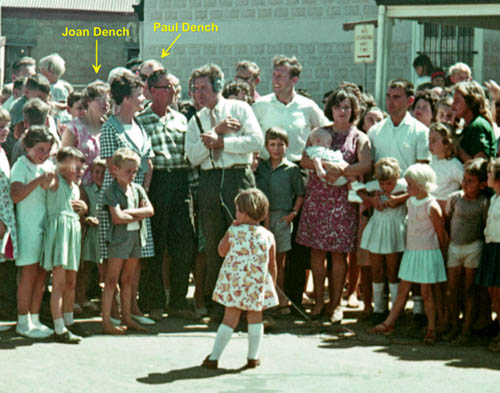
466,255
131,248
281,230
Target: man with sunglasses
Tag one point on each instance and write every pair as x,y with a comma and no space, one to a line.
169,192
249,72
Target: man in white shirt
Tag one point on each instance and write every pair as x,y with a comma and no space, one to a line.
220,138
297,115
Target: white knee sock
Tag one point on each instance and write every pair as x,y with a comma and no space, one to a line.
59,326
378,297
35,320
255,334
393,289
68,318
224,334
418,305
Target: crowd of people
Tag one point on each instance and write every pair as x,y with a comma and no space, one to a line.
125,184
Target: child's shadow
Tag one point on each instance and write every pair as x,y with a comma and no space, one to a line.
195,372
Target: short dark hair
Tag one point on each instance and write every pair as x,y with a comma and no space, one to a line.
477,167
37,134
249,66
235,88
402,84
93,91
24,61
212,71
425,62
428,96
74,97
336,98
69,152
155,77
253,202
276,133
35,111
122,86
291,62
38,82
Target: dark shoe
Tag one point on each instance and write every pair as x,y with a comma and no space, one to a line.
156,314
212,364
67,338
182,314
253,363
78,330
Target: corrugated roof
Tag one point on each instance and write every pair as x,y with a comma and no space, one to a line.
80,5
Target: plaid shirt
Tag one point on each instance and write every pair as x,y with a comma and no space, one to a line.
167,139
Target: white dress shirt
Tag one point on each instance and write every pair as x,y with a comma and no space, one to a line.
238,146
297,118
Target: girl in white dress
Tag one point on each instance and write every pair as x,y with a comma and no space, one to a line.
247,277
384,235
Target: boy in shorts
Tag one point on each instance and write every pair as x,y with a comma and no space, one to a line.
128,206
282,183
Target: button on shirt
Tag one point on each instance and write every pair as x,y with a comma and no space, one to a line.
281,184
407,143
238,146
297,118
167,136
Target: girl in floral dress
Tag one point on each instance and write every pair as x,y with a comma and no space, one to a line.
247,277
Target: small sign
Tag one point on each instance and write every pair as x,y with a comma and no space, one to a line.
364,48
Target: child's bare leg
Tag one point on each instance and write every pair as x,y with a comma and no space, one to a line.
353,279
318,271
81,282
494,293
69,291
439,290
468,301
484,305
134,306
281,261
113,268
128,275
399,304
318,167
392,269
25,288
339,272
377,265
454,278
429,305
56,298
38,290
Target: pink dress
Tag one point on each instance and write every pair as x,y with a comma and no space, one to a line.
87,143
329,222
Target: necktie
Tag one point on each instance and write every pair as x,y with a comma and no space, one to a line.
216,153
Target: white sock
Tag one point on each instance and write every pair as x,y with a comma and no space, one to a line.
23,320
255,334
59,327
378,297
35,320
224,334
393,289
68,318
418,305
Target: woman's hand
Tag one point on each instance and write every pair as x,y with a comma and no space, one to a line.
79,207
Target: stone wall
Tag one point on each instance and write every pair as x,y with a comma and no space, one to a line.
45,30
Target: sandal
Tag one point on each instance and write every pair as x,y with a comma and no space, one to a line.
430,337
381,328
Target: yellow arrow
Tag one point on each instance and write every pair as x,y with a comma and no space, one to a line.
165,53
96,66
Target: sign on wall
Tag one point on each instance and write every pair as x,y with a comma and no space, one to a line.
364,48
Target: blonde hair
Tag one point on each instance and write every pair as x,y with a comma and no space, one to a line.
460,67
4,115
423,175
321,133
253,202
53,63
98,161
494,167
124,154
387,168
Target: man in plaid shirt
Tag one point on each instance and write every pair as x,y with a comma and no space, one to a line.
169,193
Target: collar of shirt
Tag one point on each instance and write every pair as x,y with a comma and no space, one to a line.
407,120
284,163
292,101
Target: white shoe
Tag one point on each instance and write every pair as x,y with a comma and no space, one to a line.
337,316
30,332
115,322
45,330
143,320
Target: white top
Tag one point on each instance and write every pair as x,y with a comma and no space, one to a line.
449,175
400,187
492,230
297,118
324,153
4,163
407,143
238,146
134,133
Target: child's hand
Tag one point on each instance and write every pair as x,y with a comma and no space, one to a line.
391,202
79,207
92,221
377,203
289,218
48,179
